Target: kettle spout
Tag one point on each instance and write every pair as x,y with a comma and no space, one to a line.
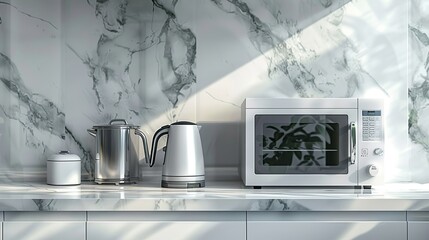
141,134
150,157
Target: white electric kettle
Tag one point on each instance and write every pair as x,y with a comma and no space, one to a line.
183,165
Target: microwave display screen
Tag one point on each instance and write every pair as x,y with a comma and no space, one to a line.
301,144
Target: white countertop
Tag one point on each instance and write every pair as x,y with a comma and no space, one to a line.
216,196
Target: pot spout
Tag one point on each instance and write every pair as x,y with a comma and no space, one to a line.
92,132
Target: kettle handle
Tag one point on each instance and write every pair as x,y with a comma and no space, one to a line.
158,134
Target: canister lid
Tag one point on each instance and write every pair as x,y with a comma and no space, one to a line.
63,156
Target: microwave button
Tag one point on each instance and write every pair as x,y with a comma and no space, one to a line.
365,118
378,151
373,170
371,118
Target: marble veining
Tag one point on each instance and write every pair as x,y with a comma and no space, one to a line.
181,65
114,89
417,93
418,88
41,113
109,69
35,111
217,196
113,86
44,205
263,39
312,72
278,205
27,14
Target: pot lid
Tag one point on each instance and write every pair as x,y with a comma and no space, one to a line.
63,156
115,124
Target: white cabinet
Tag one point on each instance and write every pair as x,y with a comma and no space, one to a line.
166,225
418,230
214,225
326,225
44,225
418,225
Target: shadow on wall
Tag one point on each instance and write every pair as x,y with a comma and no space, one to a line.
221,149
220,143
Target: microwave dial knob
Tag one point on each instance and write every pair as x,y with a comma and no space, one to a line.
378,152
373,170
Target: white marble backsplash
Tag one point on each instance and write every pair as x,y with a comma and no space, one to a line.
418,128
66,66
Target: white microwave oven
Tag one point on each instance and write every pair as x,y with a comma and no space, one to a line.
312,142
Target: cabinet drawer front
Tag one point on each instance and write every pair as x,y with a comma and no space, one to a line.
418,230
150,230
46,230
303,230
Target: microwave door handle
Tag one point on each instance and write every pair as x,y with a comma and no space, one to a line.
353,140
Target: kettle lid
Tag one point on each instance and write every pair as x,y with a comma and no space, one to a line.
183,123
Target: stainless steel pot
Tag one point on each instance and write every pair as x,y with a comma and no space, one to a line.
116,159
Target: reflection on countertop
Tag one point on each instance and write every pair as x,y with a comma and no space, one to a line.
216,196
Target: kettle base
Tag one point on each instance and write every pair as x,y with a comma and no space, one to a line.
183,184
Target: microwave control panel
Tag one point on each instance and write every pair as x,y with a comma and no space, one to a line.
371,143
372,128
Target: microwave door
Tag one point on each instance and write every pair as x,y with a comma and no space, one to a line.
305,148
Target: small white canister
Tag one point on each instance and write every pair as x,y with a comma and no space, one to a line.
63,169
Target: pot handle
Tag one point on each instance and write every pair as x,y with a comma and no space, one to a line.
92,132
118,120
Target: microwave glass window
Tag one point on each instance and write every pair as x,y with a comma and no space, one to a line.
301,144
